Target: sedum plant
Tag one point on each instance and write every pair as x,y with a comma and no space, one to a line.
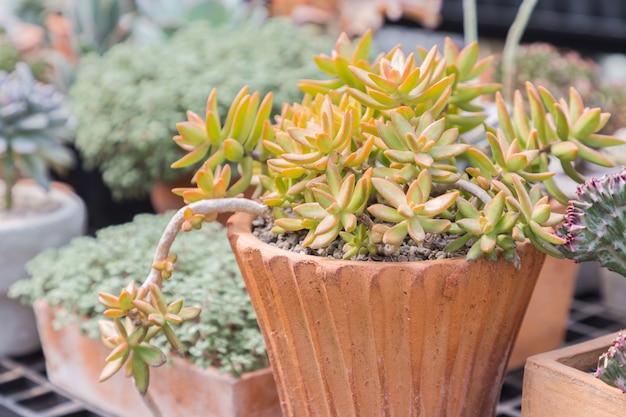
143,94
558,70
373,158
594,230
33,127
225,335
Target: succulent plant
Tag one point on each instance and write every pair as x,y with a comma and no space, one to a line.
558,70
612,364
595,223
374,157
33,126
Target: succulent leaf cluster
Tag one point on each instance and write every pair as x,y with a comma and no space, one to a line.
380,145
595,223
33,127
612,364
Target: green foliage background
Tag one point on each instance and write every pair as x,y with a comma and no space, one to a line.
129,101
227,334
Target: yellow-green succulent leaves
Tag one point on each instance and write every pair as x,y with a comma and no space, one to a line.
412,212
489,228
129,339
233,142
337,202
344,55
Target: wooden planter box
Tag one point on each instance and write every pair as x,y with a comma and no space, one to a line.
559,384
74,362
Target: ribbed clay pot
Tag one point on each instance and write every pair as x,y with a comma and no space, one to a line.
360,339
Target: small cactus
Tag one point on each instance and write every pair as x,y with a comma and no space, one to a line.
612,364
595,223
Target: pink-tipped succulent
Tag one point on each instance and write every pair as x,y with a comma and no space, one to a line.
596,221
612,364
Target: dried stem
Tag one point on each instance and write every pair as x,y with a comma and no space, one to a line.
470,22
151,404
511,43
470,187
204,207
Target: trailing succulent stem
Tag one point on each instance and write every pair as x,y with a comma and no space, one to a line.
595,223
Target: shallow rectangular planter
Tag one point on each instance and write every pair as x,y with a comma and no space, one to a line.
559,384
74,362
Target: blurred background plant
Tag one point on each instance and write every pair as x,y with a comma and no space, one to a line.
33,127
54,34
226,334
355,17
129,100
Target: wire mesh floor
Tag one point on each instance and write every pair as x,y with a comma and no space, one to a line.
25,391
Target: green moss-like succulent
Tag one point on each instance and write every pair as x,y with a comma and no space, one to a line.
226,334
129,100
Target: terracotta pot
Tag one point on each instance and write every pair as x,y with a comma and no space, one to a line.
180,389
45,220
348,338
613,292
545,323
559,384
163,199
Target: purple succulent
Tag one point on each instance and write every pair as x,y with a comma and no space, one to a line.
595,223
612,364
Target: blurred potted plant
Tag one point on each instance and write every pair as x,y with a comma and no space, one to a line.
356,17
560,382
224,349
34,214
143,92
371,166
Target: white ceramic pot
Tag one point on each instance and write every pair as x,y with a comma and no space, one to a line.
24,234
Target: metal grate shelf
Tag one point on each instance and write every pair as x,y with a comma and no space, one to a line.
26,392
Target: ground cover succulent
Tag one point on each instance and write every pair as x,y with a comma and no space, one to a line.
375,155
225,335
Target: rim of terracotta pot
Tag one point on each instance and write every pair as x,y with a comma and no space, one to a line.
241,225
